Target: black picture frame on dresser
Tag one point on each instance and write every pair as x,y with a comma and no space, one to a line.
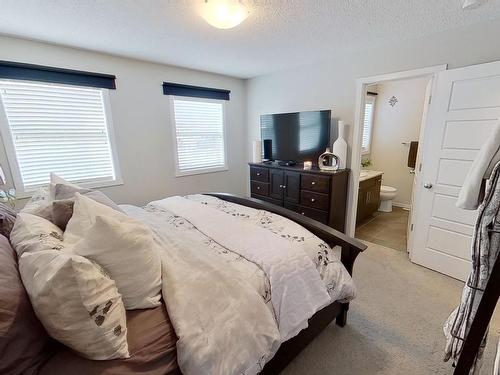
319,195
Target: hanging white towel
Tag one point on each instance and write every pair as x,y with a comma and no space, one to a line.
486,159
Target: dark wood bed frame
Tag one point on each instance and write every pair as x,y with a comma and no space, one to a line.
335,311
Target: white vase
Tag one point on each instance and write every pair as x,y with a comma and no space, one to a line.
257,151
339,147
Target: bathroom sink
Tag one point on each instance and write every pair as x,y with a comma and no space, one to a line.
366,174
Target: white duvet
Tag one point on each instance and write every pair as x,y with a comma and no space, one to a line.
238,281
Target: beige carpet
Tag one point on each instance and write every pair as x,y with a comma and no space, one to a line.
394,324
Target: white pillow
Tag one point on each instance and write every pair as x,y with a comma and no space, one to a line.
122,246
77,303
59,188
32,233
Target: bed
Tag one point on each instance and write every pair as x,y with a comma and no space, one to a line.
350,249
151,336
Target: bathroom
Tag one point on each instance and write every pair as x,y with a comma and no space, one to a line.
394,112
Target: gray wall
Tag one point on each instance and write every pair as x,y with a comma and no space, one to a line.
141,121
331,84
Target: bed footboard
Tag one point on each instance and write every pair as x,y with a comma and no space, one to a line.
350,249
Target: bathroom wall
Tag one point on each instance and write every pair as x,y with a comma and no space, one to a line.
392,126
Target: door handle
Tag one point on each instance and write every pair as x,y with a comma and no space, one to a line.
427,185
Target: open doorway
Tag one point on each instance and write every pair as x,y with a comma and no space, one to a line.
390,125
392,122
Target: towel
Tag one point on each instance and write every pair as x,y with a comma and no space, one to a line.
485,249
481,168
412,154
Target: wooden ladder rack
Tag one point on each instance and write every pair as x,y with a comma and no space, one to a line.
481,320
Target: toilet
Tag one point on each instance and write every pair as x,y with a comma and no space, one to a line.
387,194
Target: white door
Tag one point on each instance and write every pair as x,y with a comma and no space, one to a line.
416,172
463,111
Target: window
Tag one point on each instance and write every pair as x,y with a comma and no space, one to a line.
57,128
199,135
368,124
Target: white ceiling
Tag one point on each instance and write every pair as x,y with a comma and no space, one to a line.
278,33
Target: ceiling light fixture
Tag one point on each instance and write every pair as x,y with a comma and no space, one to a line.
471,4
224,14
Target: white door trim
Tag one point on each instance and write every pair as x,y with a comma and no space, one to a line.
361,86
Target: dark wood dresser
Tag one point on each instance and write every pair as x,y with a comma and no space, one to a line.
317,194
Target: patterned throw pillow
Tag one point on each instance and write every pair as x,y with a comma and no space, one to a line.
7,219
33,233
77,303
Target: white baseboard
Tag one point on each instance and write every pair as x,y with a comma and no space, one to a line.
402,205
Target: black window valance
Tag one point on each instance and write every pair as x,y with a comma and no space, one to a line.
40,73
194,91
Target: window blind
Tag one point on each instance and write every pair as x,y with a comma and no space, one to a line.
40,73
179,89
56,128
368,124
199,131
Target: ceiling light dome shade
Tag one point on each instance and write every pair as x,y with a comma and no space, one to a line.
224,14
471,4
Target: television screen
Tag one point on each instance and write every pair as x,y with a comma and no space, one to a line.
298,136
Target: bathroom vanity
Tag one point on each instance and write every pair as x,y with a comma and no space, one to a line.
369,193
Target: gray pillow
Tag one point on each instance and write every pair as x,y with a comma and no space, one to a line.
62,209
7,219
63,191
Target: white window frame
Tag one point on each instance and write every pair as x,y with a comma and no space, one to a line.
8,142
178,172
372,99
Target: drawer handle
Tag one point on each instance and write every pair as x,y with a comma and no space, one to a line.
281,186
258,187
313,182
284,186
302,213
258,174
312,199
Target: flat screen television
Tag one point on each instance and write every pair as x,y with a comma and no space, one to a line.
297,136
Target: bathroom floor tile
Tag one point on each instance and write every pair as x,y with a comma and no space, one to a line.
385,228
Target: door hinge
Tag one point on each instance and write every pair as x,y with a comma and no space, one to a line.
411,228
420,167
430,99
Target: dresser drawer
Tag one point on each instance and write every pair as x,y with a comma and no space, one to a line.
314,200
259,174
318,215
260,188
312,182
